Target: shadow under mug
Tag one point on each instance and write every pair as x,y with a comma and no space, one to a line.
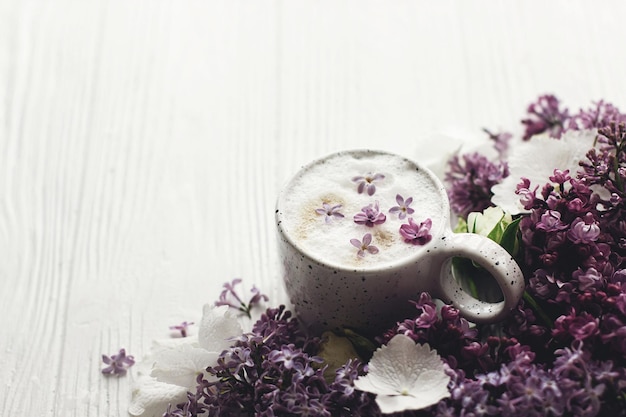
371,298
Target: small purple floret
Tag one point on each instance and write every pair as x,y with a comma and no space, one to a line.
230,297
364,246
182,328
370,215
403,207
329,212
366,182
416,234
117,364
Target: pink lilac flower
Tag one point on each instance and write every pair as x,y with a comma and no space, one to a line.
403,207
329,212
366,182
416,234
370,215
364,245
545,115
182,328
118,364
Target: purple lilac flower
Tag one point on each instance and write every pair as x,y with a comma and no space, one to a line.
370,215
500,141
561,232
287,354
416,234
279,375
551,222
193,407
230,297
579,326
598,116
329,212
366,182
545,115
606,164
584,231
560,177
349,400
588,279
403,207
365,245
455,340
118,364
182,328
470,178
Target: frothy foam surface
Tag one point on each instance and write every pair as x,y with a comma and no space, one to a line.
331,181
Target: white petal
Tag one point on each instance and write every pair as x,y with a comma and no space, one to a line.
397,403
536,160
405,375
483,223
448,142
150,397
181,366
217,326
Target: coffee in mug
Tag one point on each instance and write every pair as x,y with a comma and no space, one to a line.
361,233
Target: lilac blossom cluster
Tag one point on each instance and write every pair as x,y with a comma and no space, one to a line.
572,320
455,339
273,371
562,351
470,178
574,248
498,376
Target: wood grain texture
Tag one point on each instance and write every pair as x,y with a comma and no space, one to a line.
143,143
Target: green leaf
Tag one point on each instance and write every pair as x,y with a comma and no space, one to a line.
461,226
509,240
497,232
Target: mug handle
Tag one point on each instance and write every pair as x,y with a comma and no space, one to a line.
495,260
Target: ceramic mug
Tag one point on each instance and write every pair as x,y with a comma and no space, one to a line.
363,232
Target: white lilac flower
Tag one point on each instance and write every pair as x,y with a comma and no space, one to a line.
170,370
536,159
405,376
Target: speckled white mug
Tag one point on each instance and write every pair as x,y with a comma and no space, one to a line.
369,293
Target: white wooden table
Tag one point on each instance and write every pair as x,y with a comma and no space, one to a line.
143,143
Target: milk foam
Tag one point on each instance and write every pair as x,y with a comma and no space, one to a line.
330,181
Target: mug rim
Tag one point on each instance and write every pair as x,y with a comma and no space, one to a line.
442,230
